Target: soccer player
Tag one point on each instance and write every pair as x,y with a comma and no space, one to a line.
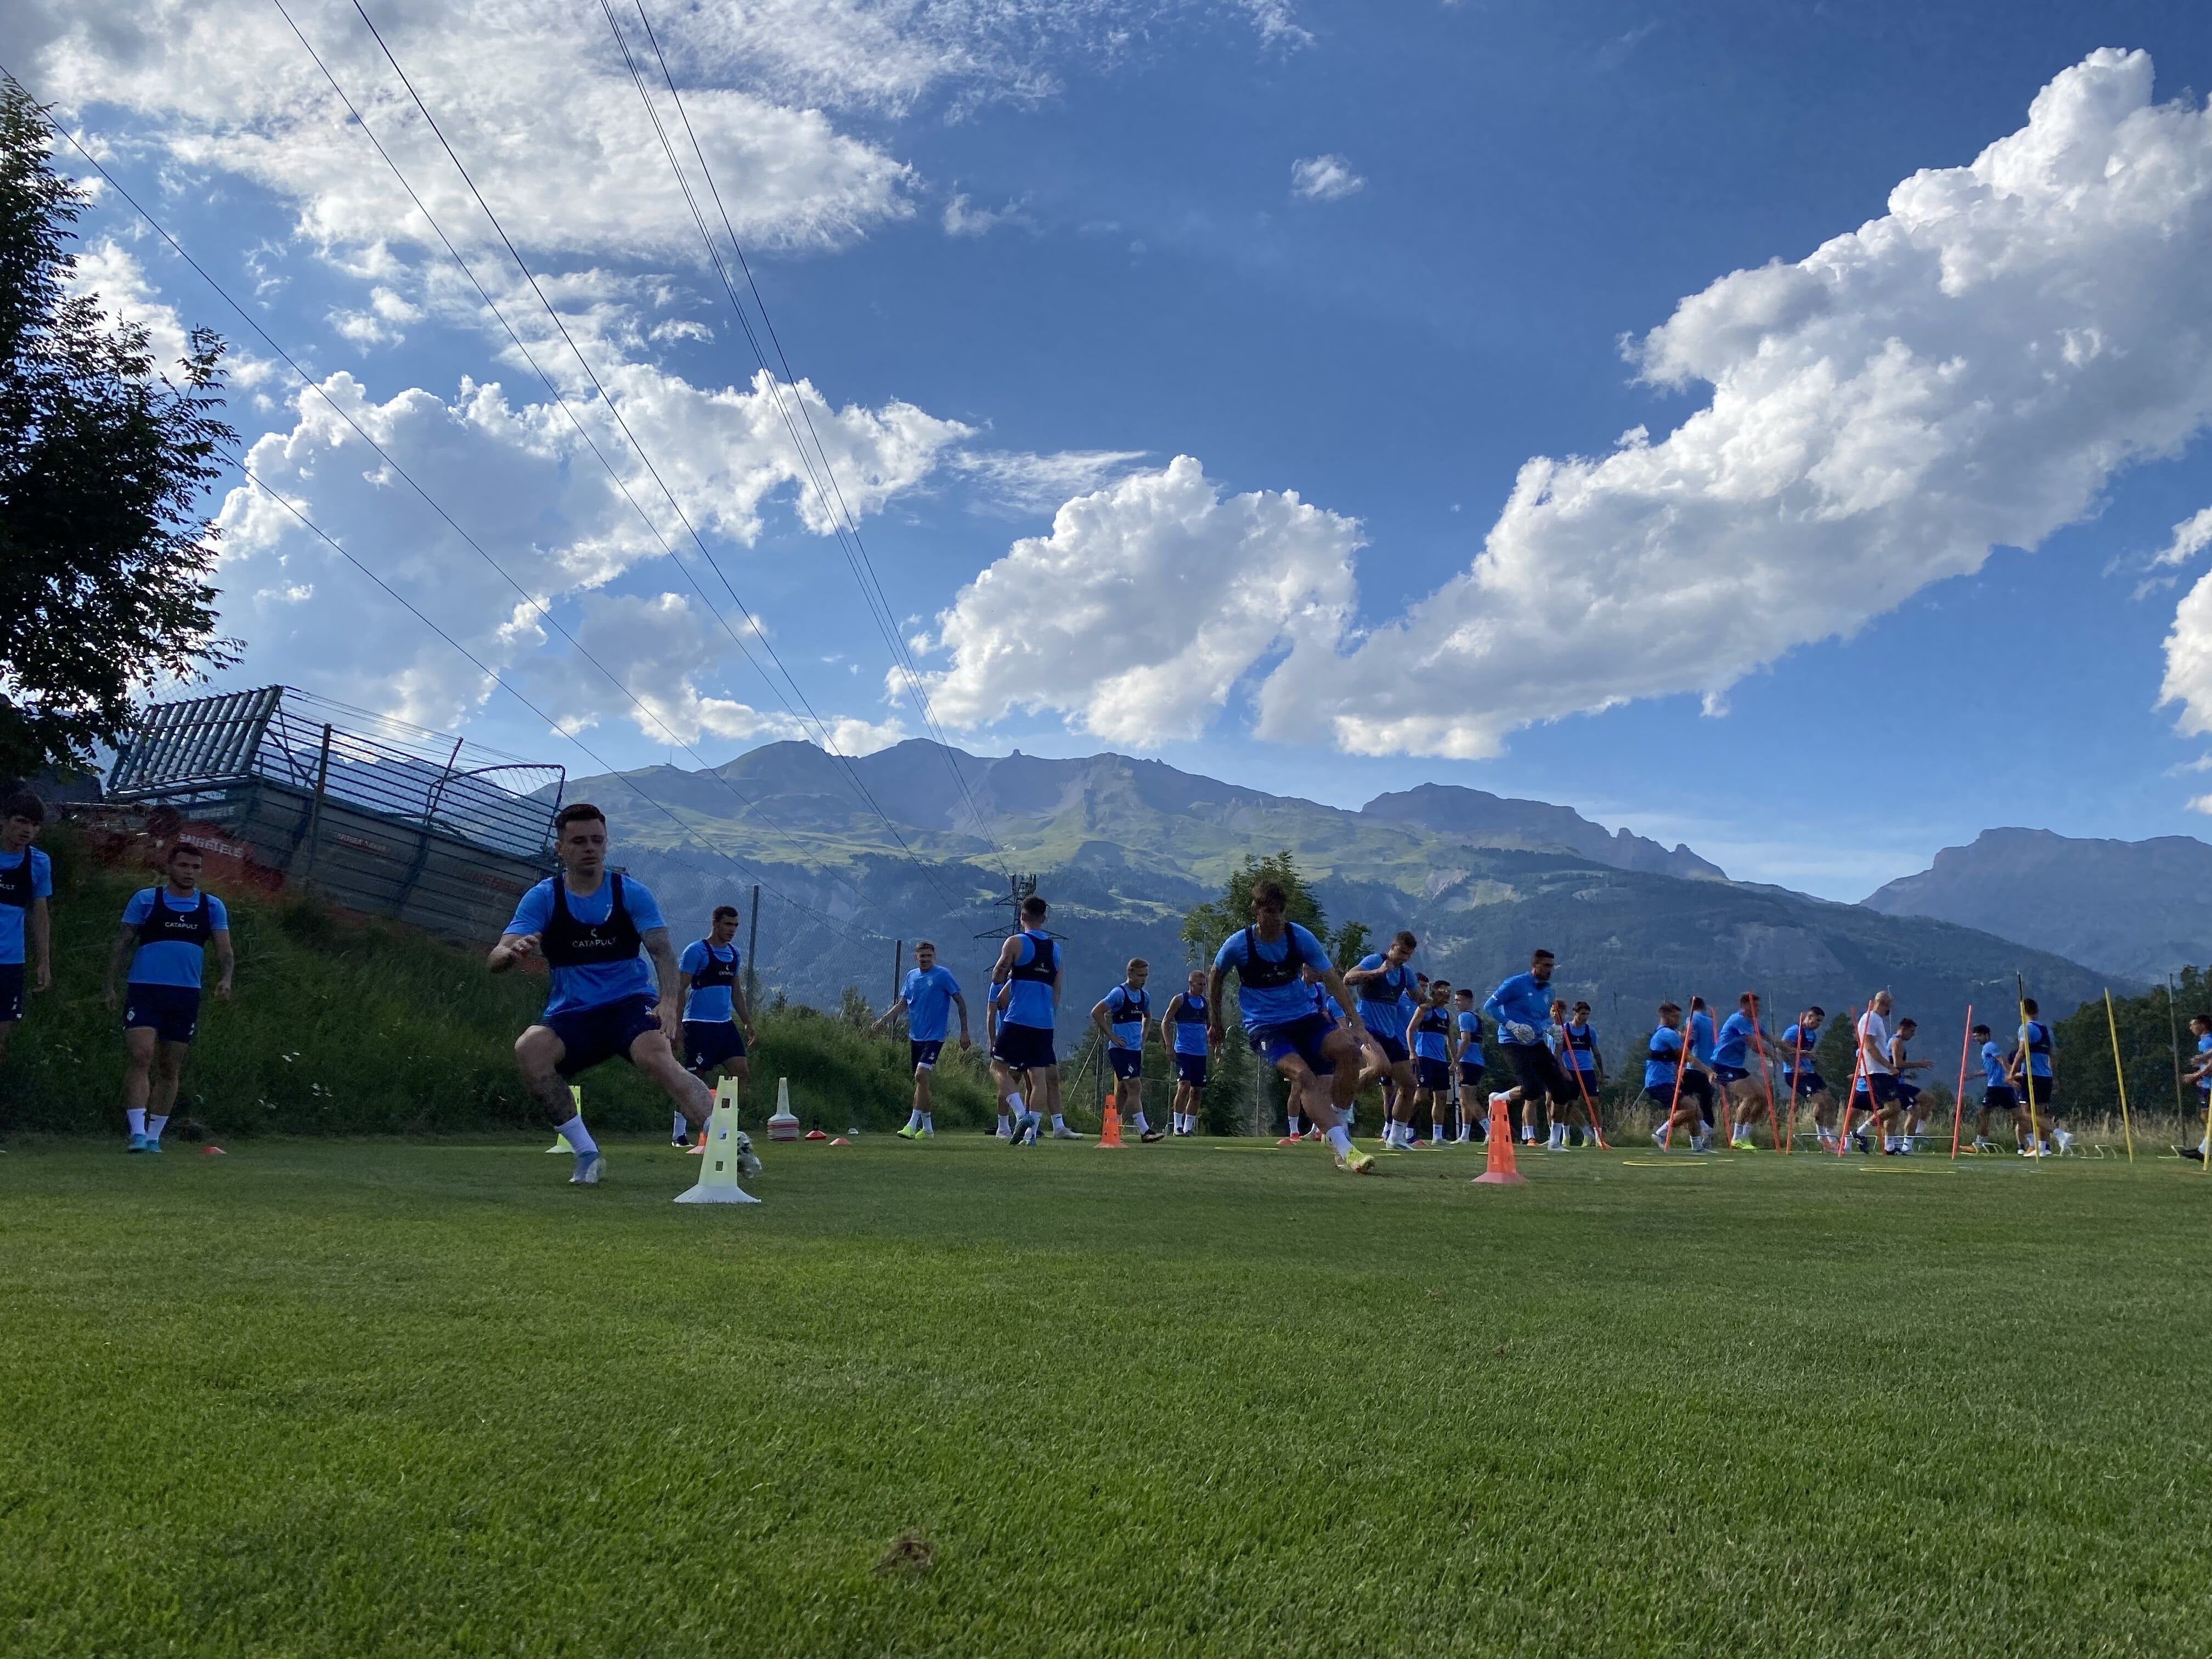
1663,1071
1029,965
1122,1016
994,1010
717,1024
165,933
1910,1116
1803,1078
2200,1075
1875,1091
1385,986
1430,1035
1521,1008
927,999
1998,1099
27,882
1697,1083
1317,1056
1585,1069
1186,1018
1467,1060
1733,1059
614,990
2032,1075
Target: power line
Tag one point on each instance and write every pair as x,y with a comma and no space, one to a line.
841,518
392,462
827,742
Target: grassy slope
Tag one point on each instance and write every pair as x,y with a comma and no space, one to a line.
375,1029
339,1400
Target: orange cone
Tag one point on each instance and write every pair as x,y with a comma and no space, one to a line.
1111,1135
1501,1172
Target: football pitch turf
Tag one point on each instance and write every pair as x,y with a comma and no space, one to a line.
323,1398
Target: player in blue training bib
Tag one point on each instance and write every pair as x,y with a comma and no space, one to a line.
27,882
1122,1016
614,993
1739,1066
2033,1077
165,933
1665,1059
1998,1100
1386,986
1467,1065
2200,1079
1184,1022
1317,1056
1429,1035
1021,1056
717,1024
928,997
1795,1049
1584,1066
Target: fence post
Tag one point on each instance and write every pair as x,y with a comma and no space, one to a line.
315,807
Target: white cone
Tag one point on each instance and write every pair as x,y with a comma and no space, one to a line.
783,1123
718,1164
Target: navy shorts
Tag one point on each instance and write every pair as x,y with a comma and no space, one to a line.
1394,1049
1805,1082
1725,1075
1907,1092
171,1012
1661,1094
11,991
1127,1062
1585,1083
1191,1069
710,1043
1302,1037
2039,1087
1470,1072
1024,1048
1537,1070
1434,1075
921,1055
1998,1097
1882,1085
589,1035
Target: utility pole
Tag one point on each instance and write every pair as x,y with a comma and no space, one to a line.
898,957
752,957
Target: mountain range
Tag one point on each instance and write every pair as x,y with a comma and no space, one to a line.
919,840
2139,909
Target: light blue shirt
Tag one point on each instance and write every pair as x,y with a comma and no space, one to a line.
1470,1031
1431,1034
170,961
1524,1000
2204,1047
1125,1012
12,917
1734,1046
1797,1038
2037,1064
1280,1005
1701,1036
1190,1034
1386,1004
595,984
1660,1074
1030,1003
1582,1058
1993,1066
928,999
705,1002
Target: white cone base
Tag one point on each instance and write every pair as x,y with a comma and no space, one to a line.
716,1196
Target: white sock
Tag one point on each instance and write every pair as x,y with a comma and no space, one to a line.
156,1125
913,1117
1137,1118
675,1130
1014,1105
136,1115
1005,1123
929,1122
578,1137
1340,1140
1290,1124
1058,1123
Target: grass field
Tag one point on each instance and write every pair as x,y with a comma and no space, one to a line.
331,1398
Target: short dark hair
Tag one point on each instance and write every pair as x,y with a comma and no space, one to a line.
1817,1012
721,910
181,849
24,805
2027,1004
1402,936
1983,1031
1582,1007
1440,985
1544,955
1034,905
582,811
1670,1007
1746,998
920,945
1270,895
2200,1019
1908,1020
1464,991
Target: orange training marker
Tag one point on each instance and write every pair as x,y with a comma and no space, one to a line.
1501,1172
1110,1135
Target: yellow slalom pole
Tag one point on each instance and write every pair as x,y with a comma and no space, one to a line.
2027,1065
2119,1076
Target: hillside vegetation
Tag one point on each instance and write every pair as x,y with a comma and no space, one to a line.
344,1026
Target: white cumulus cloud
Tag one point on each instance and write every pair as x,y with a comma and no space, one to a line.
1968,371
1324,178
2190,536
1137,615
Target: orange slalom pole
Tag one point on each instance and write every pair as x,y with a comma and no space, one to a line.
1958,1101
1765,1082
1590,1107
1681,1064
1858,1065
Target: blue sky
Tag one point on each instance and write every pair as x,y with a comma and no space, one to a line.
1031,255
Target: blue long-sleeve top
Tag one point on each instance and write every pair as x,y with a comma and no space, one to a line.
1523,999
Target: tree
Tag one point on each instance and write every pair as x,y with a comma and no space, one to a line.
103,566
1207,925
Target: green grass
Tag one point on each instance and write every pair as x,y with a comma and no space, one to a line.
381,1398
